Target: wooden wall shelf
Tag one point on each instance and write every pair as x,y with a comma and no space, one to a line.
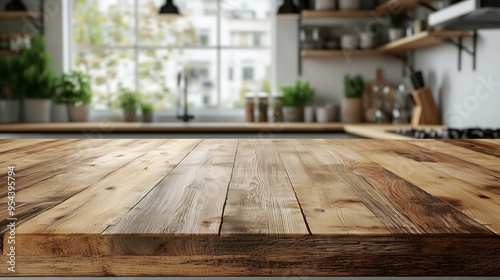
423,40
18,15
338,53
309,14
401,5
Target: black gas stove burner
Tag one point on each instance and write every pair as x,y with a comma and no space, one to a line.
470,133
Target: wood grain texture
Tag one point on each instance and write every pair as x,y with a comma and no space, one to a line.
190,199
401,159
330,206
261,199
104,203
256,208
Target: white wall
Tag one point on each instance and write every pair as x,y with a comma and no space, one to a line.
467,98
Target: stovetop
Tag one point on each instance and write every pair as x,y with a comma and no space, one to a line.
452,133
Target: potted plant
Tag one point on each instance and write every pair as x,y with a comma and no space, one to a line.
397,21
75,95
38,81
129,101
147,112
294,99
352,103
10,93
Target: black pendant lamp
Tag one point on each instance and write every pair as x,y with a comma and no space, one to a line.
288,7
169,9
15,5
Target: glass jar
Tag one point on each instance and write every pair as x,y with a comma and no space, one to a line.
250,108
263,108
277,110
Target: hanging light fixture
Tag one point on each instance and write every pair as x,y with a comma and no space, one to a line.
169,9
288,7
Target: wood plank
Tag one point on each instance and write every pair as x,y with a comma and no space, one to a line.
39,150
8,145
256,265
336,14
397,6
9,15
46,194
490,162
460,194
329,205
338,53
253,206
477,146
106,201
422,40
388,194
190,200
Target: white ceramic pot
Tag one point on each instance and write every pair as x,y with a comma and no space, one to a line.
322,115
324,4
345,5
396,34
60,113
79,113
309,113
293,114
349,42
37,110
366,41
9,111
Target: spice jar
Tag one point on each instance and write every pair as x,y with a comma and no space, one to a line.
277,109
250,108
263,107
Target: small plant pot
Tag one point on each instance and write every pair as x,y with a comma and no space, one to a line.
37,110
309,114
293,114
60,113
396,34
79,113
129,116
9,111
147,118
352,110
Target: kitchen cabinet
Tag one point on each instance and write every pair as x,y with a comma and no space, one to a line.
254,207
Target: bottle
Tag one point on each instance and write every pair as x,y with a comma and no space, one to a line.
250,108
277,110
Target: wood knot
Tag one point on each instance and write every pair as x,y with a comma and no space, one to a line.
320,210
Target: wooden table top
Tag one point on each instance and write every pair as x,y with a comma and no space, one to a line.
253,207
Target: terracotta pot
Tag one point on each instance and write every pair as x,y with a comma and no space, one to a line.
293,114
9,111
147,118
129,116
352,110
79,113
37,110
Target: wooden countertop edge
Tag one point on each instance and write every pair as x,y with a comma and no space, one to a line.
363,130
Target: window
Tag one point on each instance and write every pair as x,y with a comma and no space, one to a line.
124,43
248,73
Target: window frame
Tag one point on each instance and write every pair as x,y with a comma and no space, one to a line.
218,48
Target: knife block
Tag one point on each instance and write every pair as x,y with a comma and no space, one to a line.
425,111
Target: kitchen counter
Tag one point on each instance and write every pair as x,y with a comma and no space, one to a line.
253,207
118,127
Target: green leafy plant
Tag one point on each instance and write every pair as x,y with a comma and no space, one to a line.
37,80
147,108
10,78
354,87
129,100
297,95
73,88
398,20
